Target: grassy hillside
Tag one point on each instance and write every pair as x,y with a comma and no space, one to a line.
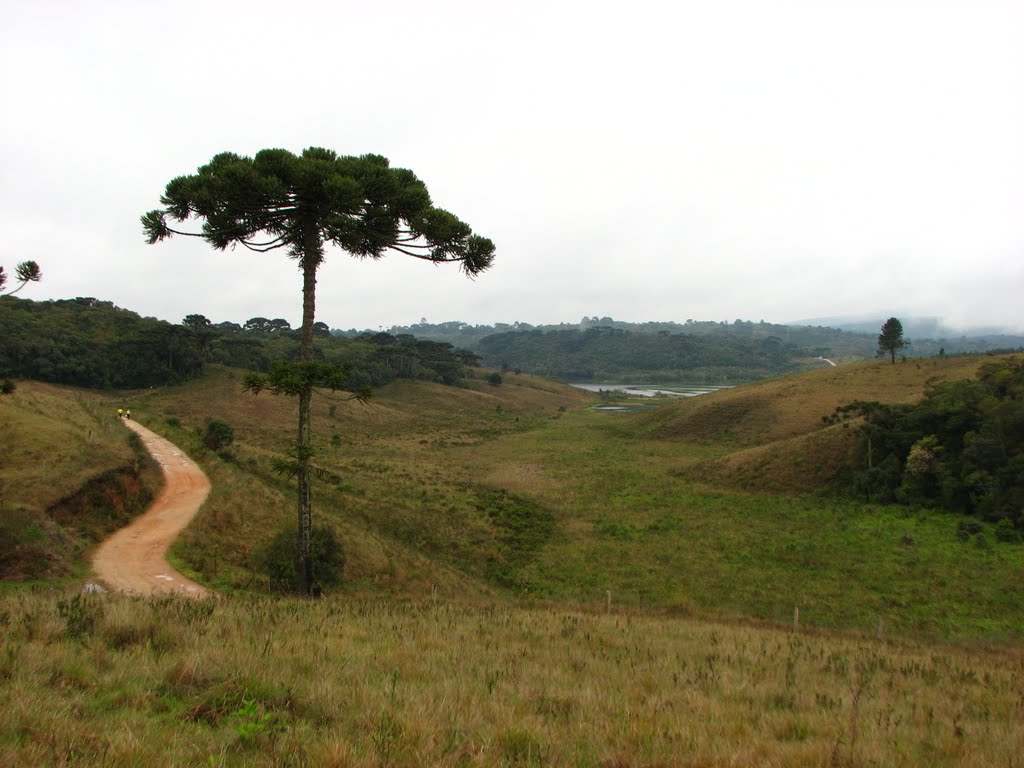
780,408
520,490
496,490
108,680
453,501
69,474
410,520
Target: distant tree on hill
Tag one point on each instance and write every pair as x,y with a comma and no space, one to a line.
26,272
196,322
303,203
891,338
256,325
202,330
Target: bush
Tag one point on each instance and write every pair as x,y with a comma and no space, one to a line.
218,435
967,528
8,387
279,559
1007,532
494,378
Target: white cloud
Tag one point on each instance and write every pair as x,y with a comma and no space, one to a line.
652,161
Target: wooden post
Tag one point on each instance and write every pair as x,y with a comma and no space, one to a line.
608,601
796,618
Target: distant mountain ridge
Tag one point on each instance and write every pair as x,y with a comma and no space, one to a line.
915,327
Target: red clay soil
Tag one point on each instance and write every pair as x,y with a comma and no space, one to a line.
134,559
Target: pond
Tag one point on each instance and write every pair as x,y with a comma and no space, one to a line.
653,390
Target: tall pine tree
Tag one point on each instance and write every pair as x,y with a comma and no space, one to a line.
304,203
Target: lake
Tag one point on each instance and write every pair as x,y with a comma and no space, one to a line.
653,390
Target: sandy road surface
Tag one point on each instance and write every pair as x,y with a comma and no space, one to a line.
134,559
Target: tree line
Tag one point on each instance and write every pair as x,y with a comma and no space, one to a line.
91,343
610,354
807,340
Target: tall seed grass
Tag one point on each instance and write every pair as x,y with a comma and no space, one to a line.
370,683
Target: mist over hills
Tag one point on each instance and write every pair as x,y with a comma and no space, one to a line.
929,328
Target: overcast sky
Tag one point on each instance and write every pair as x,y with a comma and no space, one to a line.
711,159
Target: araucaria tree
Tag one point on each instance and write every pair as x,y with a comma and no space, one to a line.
26,272
891,338
303,204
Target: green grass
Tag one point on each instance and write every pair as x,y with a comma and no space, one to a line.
522,491
632,522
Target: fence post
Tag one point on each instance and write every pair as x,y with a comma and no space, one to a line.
796,618
608,601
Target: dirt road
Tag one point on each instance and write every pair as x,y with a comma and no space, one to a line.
134,559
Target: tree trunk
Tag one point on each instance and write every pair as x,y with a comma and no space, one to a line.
303,446
310,260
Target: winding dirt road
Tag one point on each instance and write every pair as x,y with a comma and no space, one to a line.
134,558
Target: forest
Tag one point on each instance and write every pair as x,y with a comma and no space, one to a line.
91,343
610,354
961,448
846,344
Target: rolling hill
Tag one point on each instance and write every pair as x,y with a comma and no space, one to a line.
724,504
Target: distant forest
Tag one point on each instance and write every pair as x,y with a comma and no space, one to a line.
91,343
601,349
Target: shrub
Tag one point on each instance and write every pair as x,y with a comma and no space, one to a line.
80,615
494,378
218,435
8,387
967,528
279,558
1006,532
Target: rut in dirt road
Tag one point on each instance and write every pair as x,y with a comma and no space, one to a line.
134,558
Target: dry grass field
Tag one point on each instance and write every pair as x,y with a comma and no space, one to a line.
777,409
53,440
68,476
106,680
484,529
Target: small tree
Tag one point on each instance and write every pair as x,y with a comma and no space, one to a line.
218,435
278,559
891,338
26,272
